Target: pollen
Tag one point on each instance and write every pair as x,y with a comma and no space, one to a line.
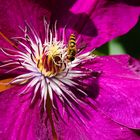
52,61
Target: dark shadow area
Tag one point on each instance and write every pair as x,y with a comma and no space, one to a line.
129,2
101,51
131,41
60,12
6,76
134,65
51,4
137,132
93,86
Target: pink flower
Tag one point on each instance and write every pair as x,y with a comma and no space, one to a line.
59,89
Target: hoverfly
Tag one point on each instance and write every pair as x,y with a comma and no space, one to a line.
71,51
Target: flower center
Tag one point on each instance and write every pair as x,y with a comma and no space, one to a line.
56,56
53,66
51,62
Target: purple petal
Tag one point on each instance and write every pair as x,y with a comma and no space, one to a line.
97,21
19,119
98,126
13,13
119,84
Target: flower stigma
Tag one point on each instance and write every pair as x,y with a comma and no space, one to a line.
52,67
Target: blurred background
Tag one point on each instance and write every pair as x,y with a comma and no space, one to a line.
126,44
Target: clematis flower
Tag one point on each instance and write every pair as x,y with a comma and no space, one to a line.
56,88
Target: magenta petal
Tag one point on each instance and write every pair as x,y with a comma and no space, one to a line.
13,14
119,86
97,21
18,119
96,126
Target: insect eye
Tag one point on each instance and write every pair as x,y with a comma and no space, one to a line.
72,58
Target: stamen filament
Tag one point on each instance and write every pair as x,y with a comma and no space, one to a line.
8,40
